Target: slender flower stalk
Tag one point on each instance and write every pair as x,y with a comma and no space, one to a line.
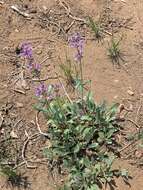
77,41
81,72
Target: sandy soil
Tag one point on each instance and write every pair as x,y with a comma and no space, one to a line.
123,85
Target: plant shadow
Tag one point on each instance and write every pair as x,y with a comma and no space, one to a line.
19,182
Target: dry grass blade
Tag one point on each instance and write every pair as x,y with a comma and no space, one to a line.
69,14
15,8
62,85
44,79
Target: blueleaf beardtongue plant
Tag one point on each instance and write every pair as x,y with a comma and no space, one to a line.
82,133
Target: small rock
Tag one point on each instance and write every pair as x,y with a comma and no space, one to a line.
6,48
2,131
131,107
121,108
1,2
33,11
16,30
115,97
130,92
116,81
138,154
39,52
45,8
13,135
19,105
24,84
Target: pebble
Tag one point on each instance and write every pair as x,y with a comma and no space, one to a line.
39,52
16,30
25,85
45,8
33,11
1,2
130,92
115,97
13,135
116,81
19,105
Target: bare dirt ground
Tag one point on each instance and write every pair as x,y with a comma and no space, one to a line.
47,28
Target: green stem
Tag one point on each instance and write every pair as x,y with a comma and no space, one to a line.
81,73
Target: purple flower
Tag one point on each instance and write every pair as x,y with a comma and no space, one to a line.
41,90
77,41
35,68
26,50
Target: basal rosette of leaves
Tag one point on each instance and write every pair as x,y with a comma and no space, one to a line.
82,141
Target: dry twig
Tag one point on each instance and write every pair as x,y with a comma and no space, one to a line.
38,126
24,148
133,122
44,79
19,91
69,14
125,147
16,9
138,111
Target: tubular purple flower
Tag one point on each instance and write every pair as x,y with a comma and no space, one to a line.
77,41
26,50
41,90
